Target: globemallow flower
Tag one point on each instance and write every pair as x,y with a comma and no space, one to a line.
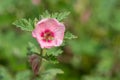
49,32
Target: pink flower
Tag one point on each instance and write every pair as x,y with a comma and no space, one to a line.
49,33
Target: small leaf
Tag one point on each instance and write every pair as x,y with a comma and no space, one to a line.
32,48
52,59
69,35
54,52
24,24
54,15
46,14
35,21
62,15
59,16
51,55
50,74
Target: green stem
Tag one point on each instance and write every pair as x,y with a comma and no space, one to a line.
44,52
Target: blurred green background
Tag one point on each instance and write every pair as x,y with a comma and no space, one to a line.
94,55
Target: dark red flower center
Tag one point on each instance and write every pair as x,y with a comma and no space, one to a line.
47,36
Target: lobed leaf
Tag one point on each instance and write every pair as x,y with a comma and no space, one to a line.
62,15
69,35
59,16
32,48
24,24
46,14
54,52
51,55
51,74
52,59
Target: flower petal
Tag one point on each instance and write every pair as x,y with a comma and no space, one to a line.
49,24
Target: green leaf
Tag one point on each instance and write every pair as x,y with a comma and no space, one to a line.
59,16
24,24
32,48
46,14
51,55
50,74
62,15
69,35
52,59
54,52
